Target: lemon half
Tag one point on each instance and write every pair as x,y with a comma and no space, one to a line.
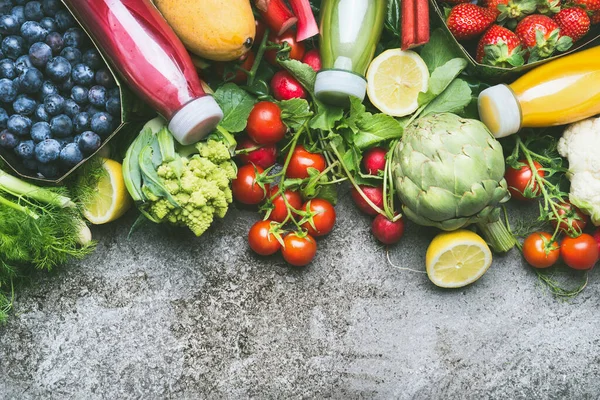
456,259
395,78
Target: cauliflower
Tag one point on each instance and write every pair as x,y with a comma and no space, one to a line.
579,144
184,187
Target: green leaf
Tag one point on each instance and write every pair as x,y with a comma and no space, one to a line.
236,104
439,50
441,78
329,193
295,113
369,129
392,18
326,117
302,72
453,100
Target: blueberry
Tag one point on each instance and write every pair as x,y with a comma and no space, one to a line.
92,58
39,54
30,81
66,85
41,114
74,37
23,63
30,164
92,110
81,122
33,11
58,69
19,125
9,24
55,41
19,13
104,78
40,131
8,90
8,140
25,149
61,126
113,106
13,46
102,123
89,142
79,94
24,105
7,69
72,54
51,7
97,96
5,6
48,24
33,32
71,155
64,20
48,88
3,118
114,92
54,104
71,108
82,74
49,170
47,151
65,141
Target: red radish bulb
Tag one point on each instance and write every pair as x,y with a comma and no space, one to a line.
263,157
375,194
596,236
313,59
386,231
374,160
286,87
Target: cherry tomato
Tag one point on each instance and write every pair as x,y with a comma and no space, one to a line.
313,59
375,194
324,218
519,179
302,160
280,210
286,87
574,220
579,253
374,160
539,250
245,62
297,48
245,188
263,156
386,231
299,251
261,240
264,123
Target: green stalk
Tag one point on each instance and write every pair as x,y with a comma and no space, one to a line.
19,187
497,235
18,207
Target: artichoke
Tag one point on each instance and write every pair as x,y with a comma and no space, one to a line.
449,173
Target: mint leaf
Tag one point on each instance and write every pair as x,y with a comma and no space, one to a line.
302,72
439,50
441,78
453,100
295,112
236,104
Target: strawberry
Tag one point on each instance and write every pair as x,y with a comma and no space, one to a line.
493,4
515,10
500,47
467,21
595,18
454,2
541,35
573,22
588,5
548,7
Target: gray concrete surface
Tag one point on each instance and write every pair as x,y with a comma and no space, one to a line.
167,316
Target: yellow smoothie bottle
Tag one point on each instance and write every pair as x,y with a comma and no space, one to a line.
560,92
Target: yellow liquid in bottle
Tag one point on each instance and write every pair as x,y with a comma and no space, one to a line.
560,92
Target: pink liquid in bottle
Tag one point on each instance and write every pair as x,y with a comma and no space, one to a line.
143,48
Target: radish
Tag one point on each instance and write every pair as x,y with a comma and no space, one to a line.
374,160
263,157
386,231
313,58
375,194
286,87
596,236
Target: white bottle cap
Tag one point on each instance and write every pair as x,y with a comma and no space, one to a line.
195,120
336,86
499,110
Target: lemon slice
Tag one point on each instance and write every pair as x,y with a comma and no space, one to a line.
395,78
111,200
456,259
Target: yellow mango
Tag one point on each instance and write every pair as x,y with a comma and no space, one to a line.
219,30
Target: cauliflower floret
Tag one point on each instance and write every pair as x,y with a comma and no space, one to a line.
578,145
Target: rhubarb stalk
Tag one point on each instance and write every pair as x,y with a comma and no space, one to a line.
307,25
276,15
415,23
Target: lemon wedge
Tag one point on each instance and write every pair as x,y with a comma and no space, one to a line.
456,259
111,200
395,78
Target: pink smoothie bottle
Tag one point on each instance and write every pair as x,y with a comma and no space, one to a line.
145,51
